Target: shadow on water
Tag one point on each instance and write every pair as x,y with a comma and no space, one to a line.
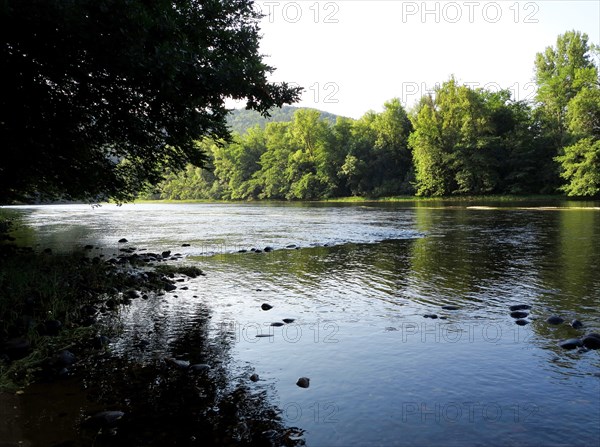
164,401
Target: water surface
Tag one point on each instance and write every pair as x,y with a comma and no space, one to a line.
358,287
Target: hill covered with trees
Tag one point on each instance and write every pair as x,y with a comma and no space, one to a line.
240,120
456,141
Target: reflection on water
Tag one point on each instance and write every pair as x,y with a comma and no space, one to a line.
381,373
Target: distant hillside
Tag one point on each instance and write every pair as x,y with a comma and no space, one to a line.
241,120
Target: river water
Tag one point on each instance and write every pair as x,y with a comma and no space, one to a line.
358,280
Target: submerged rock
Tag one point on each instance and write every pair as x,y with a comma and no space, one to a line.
432,316
571,343
520,307
277,324
303,382
264,335
521,322
266,306
554,320
518,314
450,307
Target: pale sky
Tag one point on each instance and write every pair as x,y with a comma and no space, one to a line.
353,55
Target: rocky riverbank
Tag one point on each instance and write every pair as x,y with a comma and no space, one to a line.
61,385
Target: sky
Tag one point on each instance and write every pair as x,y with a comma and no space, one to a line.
353,55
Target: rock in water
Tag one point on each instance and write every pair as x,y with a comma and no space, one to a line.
254,377
555,320
571,343
303,382
268,249
266,306
52,327
520,307
518,314
432,316
65,358
200,367
179,364
288,320
450,307
104,419
591,341
122,241
521,322
576,324
277,324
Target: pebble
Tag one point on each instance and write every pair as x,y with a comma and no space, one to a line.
65,358
576,324
200,367
520,307
181,364
571,343
591,341
52,327
105,419
303,382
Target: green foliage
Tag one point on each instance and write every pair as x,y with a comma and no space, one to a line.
581,168
103,97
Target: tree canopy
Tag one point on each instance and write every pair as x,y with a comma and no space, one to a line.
102,97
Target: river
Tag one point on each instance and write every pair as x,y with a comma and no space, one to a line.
358,281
